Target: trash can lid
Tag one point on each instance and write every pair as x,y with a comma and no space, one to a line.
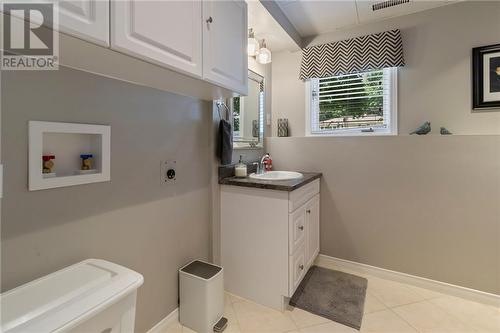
75,292
201,269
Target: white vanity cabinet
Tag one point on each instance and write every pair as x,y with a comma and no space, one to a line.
269,239
303,240
312,220
167,33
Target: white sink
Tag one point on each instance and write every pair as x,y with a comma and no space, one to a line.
277,175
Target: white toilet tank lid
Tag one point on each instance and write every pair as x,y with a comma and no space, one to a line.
70,295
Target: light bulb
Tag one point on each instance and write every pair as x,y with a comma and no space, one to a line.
253,44
253,47
264,56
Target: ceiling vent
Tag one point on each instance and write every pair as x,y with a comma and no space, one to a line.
387,4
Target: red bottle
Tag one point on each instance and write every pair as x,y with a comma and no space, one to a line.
268,163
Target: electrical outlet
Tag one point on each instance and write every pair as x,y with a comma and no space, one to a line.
168,171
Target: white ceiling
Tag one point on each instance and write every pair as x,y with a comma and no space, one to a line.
313,17
266,27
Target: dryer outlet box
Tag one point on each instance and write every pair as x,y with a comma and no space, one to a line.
168,171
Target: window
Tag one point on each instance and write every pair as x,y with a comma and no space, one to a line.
353,104
236,116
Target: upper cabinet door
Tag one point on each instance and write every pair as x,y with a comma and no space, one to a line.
167,33
225,61
85,19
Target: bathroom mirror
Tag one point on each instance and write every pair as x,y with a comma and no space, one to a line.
248,114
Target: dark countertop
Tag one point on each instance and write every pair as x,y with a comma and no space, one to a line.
282,185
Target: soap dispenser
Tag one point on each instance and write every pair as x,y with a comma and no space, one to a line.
240,170
267,162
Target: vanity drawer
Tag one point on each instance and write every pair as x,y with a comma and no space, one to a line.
301,195
297,268
296,229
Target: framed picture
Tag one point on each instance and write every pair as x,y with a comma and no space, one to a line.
486,77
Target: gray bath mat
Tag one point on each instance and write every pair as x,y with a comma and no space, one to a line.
335,295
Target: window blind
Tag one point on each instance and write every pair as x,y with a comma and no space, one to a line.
360,101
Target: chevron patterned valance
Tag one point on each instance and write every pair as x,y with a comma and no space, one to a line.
358,54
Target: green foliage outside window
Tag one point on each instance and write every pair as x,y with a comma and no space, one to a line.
356,96
236,114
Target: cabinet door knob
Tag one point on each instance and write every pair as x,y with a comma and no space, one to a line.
301,267
210,20
308,211
301,227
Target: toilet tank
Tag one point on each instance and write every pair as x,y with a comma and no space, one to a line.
91,296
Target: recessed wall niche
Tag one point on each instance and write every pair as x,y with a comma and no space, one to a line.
66,145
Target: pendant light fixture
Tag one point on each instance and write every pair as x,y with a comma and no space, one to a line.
264,55
253,44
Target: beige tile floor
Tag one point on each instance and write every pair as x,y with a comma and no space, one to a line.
390,307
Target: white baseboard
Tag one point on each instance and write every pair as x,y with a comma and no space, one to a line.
438,286
165,322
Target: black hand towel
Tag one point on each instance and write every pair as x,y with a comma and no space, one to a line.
225,142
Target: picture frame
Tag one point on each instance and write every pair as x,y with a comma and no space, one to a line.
486,78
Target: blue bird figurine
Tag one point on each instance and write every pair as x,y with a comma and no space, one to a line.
444,131
423,130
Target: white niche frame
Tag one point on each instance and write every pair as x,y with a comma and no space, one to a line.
37,130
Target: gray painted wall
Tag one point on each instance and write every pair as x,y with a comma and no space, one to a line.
434,85
131,220
426,206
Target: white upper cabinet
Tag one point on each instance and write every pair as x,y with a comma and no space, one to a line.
168,33
85,19
205,40
225,61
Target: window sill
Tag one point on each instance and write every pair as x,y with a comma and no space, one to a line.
350,134
246,146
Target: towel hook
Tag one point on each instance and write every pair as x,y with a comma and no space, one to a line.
219,104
